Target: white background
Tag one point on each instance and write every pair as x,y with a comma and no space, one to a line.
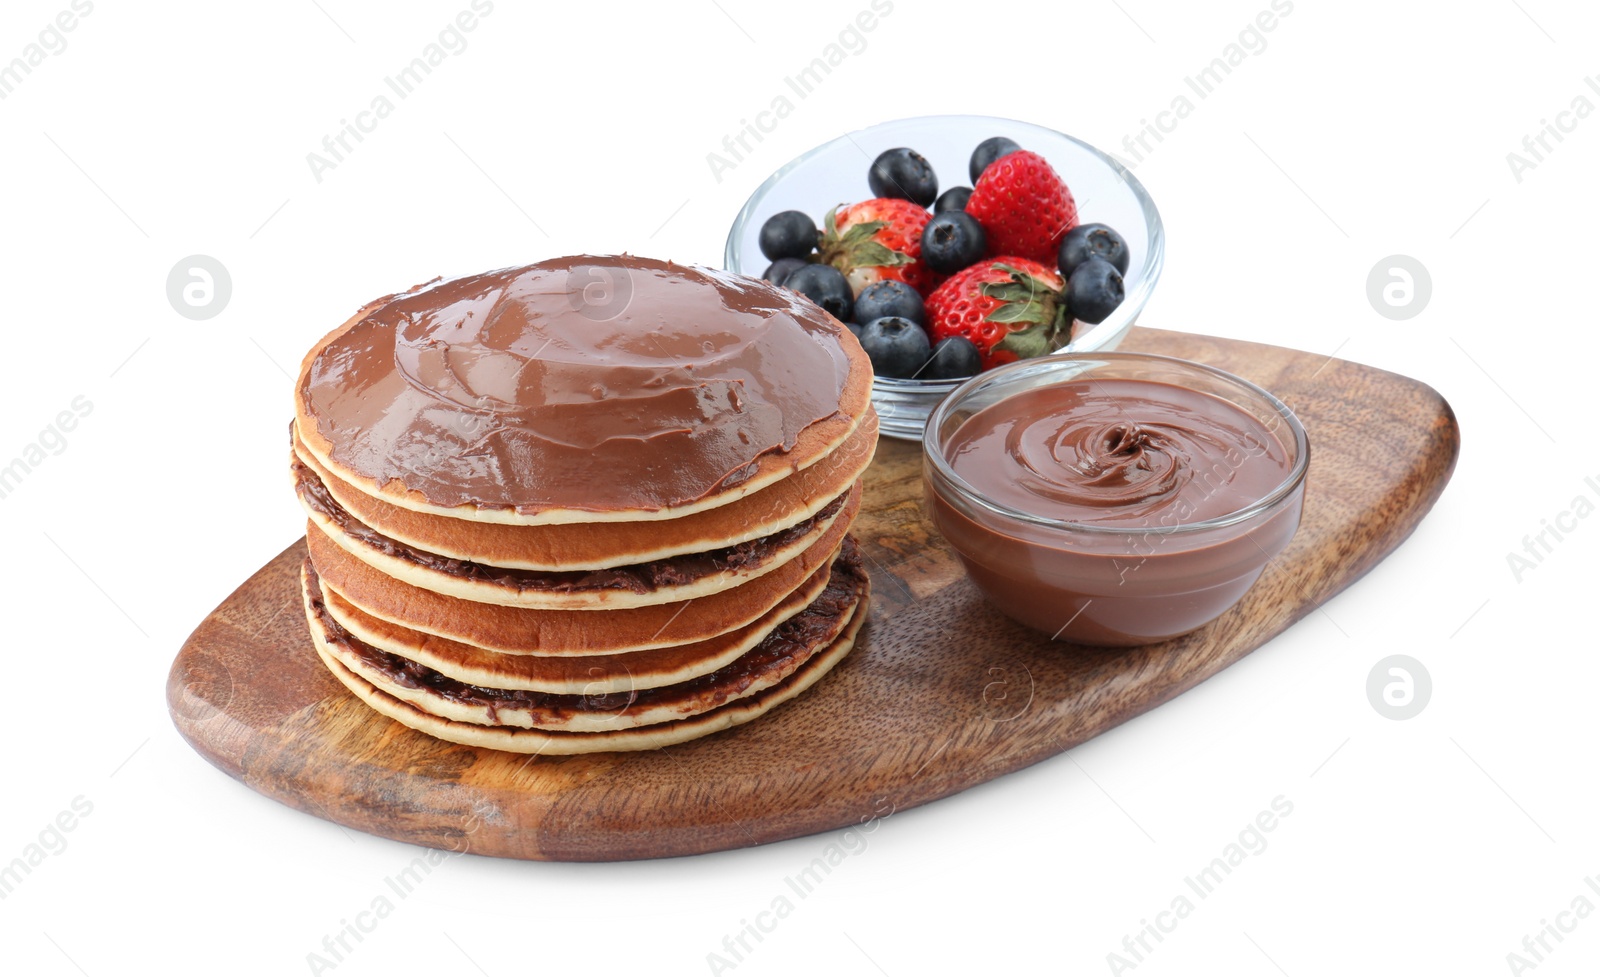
1362,129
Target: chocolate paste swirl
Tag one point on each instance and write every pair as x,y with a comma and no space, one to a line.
1119,452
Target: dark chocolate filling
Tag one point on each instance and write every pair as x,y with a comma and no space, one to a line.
791,642
639,578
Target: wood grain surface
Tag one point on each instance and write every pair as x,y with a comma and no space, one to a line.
943,692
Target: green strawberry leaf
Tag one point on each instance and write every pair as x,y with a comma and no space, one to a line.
1019,312
872,254
857,247
1027,300
1036,340
1024,298
830,221
1007,291
856,233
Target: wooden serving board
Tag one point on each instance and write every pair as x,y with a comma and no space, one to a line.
942,693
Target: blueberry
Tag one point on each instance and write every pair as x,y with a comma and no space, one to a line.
1094,289
954,358
890,298
951,241
1092,239
826,286
790,234
903,173
954,198
781,269
897,347
987,152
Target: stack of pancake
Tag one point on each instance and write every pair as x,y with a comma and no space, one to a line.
596,503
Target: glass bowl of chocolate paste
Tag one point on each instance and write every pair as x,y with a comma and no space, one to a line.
1114,499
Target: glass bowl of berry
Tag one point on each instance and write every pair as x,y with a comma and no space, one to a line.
954,244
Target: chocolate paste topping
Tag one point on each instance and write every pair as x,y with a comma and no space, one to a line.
1118,453
640,578
785,646
591,383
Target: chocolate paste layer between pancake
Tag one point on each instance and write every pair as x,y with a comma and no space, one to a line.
642,578
529,630
542,742
781,651
597,545
585,675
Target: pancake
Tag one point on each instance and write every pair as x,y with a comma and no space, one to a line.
675,578
777,655
596,546
817,443
540,742
588,675
504,398
525,630
589,504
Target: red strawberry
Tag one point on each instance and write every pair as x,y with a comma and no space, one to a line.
1010,308
877,239
1024,207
